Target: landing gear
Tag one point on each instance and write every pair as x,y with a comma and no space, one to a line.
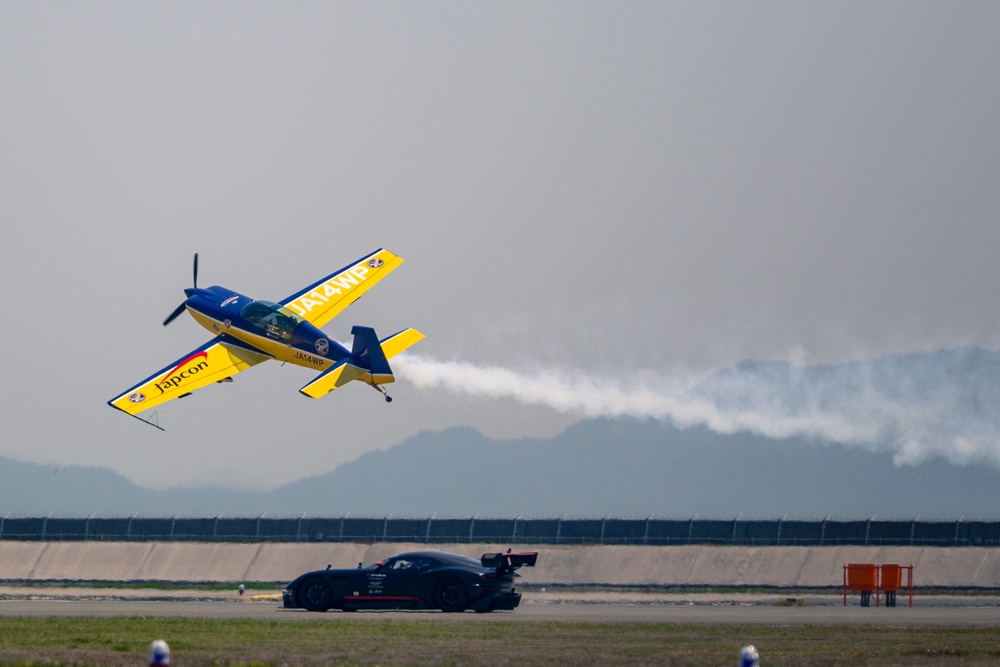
379,388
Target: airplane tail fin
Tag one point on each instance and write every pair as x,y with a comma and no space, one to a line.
367,354
368,363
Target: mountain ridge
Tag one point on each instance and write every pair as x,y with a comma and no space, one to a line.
599,467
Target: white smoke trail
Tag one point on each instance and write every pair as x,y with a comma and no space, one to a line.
916,412
577,393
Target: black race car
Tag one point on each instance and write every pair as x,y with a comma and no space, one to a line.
414,580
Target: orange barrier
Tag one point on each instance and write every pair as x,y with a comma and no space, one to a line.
861,577
891,579
868,578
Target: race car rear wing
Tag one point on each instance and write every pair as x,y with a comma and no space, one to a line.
508,562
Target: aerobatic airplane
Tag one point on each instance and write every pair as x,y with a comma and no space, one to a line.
249,331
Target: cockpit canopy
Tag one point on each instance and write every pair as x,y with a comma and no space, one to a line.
273,318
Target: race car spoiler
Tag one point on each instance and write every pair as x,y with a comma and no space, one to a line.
508,562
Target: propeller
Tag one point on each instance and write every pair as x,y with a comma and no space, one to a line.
180,309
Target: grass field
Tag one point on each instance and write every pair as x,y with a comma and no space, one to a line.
194,642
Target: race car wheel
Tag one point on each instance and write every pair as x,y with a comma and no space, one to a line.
450,596
314,594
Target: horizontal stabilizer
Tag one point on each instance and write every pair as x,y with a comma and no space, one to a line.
331,379
398,342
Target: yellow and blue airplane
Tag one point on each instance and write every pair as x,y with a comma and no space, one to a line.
249,331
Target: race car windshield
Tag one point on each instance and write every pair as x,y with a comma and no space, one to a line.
273,318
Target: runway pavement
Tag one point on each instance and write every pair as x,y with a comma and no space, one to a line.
958,611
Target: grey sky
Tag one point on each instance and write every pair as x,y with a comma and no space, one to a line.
609,188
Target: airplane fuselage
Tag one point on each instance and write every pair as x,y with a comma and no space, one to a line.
266,326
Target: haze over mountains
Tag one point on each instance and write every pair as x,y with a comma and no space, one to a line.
906,421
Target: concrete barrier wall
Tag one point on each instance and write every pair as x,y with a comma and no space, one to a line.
609,565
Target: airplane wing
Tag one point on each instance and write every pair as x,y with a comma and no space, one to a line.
216,360
323,300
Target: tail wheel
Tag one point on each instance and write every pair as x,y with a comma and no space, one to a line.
451,596
314,594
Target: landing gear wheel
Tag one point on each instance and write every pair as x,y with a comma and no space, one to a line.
450,596
380,389
314,594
